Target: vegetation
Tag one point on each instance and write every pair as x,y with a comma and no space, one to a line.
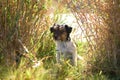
25,39
101,26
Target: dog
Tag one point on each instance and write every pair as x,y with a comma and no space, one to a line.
64,45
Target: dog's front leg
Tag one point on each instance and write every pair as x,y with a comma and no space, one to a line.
74,60
58,57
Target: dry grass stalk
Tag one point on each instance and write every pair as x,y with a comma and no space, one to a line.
21,19
100,23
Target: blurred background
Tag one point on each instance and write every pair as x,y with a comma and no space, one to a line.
25,39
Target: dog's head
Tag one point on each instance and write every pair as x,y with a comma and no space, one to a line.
61,32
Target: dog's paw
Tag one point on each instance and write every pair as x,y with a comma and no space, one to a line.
80,57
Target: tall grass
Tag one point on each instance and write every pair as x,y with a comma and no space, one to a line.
49,70
24,24
25,20
99,21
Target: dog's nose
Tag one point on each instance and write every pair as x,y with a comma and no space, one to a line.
55,36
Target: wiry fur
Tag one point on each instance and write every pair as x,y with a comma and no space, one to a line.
64,46
68,50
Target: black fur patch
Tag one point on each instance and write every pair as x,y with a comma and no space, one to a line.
51,29
58,30
68,29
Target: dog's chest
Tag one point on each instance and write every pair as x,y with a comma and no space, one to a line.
64,47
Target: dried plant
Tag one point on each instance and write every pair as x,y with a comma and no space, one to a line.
99,22
24,20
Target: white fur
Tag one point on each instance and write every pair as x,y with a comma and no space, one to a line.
67,49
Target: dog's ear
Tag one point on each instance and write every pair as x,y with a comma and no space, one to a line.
51,29
68,29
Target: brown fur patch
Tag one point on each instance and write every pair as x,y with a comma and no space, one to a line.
59,32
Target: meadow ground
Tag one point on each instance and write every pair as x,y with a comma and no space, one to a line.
49,70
